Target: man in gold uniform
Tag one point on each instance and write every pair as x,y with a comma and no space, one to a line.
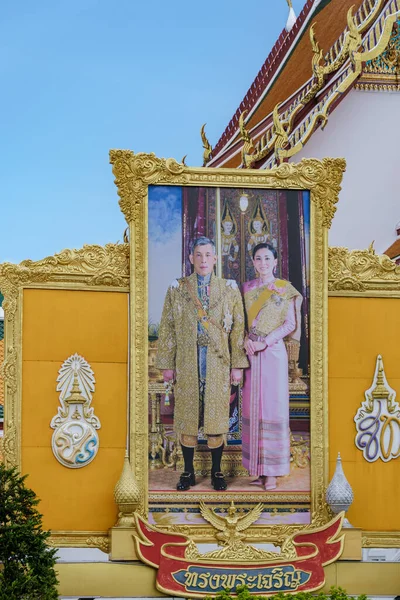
200,349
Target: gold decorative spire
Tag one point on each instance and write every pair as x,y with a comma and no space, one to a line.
380,391
75,396
126,495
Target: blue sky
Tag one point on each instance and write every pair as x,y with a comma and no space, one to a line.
82,76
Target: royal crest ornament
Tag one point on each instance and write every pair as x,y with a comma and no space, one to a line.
378,420
75,441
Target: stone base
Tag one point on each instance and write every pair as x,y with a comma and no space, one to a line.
352,544
122,544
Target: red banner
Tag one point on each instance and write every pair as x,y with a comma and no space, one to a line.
178,576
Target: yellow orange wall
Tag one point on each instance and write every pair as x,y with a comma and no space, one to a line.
56,324
359,330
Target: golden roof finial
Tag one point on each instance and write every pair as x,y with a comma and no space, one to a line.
248,145
206,145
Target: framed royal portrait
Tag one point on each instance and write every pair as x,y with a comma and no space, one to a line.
275,420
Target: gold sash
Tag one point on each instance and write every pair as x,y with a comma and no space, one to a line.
264,295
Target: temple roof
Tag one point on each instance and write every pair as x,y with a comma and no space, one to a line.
394,250
301,67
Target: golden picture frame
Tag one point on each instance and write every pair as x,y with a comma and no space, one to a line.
134,173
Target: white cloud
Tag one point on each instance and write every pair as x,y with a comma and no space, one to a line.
165,212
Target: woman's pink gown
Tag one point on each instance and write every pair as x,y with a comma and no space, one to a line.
265,407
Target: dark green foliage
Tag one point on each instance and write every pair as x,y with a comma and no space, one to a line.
243,593
26,562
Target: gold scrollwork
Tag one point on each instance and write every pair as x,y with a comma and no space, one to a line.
8,370
1,375
361,271
100,542
9,444
380,539
134,172
83,265
81,539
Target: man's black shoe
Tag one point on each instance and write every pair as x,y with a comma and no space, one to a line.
218,481
185,481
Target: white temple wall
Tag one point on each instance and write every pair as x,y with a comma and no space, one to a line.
365,130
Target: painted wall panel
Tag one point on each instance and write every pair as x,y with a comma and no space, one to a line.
56,324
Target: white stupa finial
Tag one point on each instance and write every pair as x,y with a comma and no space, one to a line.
339,494
291,20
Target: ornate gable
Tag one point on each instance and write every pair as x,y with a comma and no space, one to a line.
265,140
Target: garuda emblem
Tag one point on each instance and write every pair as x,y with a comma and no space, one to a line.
231,534
231,526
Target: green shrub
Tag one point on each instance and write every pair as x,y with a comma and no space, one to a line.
243,593
27,563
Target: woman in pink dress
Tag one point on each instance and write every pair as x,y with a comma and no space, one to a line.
273,313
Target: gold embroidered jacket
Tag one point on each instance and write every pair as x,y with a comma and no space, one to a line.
177,349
